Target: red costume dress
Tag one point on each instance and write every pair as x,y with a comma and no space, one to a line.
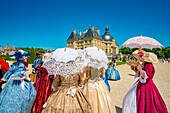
3,69
144,97
43,87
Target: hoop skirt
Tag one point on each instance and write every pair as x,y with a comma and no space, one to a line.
68,97
98,95
112,74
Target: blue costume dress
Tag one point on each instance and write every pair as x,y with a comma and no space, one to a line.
36,64
19,94
112,73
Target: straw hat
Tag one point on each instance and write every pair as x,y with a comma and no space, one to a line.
145,56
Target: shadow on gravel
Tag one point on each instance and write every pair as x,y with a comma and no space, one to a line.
131,74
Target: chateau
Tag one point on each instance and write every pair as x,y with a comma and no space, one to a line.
92,37
7,49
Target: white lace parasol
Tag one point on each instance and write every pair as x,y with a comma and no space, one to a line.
64,61
64,54
97,57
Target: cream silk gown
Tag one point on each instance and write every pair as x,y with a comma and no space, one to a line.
97,93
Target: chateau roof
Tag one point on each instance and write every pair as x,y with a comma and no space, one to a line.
1,48
92,32
74,36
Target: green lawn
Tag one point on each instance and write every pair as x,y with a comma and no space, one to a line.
120,63
6,57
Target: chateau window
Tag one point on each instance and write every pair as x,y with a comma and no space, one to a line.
106,50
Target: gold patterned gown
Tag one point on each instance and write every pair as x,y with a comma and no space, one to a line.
67,98
97,93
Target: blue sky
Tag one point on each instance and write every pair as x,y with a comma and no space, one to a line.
48,24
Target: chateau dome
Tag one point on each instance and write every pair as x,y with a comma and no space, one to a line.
107,36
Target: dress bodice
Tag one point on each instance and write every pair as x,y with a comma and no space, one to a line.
72,80
94,73
111,65
69,81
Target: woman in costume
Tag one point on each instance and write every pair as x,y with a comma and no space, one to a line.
95,89
97,92
18,94
67,97
37,62
112,73
144,97
43,87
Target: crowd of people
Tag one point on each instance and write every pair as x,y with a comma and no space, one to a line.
85,91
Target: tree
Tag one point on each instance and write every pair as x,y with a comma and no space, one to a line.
160,54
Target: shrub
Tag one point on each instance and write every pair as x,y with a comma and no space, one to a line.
124,59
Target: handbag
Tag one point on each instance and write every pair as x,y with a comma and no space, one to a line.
32,76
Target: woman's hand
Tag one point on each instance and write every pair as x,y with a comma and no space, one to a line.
103,73
139,68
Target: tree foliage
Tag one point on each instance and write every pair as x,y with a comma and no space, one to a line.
32,52
161,53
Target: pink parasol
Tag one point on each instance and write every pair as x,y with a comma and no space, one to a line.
143,42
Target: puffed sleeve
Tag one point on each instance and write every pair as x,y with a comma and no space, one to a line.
20,72
143,80
9,73
56,83
150,71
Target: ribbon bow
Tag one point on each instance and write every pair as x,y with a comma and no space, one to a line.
71,91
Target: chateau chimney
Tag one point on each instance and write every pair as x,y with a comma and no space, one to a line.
92,28
98,31
74,31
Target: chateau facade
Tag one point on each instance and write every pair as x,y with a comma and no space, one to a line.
90,38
